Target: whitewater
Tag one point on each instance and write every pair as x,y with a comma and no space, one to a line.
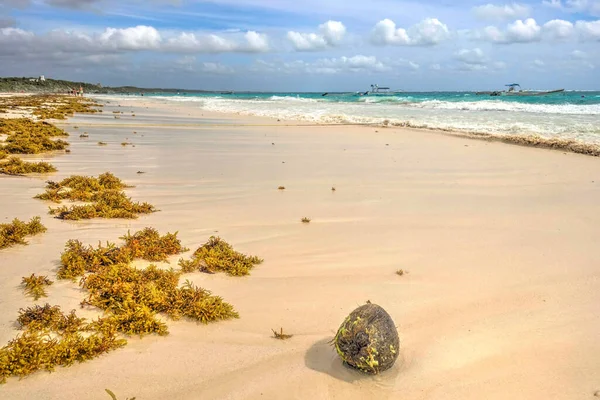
568,115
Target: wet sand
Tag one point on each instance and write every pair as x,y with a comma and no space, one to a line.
499,241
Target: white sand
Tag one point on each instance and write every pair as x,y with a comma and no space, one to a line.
500,242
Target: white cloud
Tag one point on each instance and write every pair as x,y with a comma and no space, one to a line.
588,30
538,63
428,32
435,67
474,56
591,7
502,12
558,29
578,54
523,31
137,38
117,40
529,31
216,68
325,66
307,41
331,33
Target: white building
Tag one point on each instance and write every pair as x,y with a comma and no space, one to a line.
42,78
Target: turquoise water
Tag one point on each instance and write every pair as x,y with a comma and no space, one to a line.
568,115
564,98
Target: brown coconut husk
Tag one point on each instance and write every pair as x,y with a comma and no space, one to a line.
368,340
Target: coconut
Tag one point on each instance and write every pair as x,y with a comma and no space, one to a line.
368,340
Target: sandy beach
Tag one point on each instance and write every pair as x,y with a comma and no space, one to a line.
499,242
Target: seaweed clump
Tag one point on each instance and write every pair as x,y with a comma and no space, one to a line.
52,339
25,136
149,245
15,232
368,340
132,298
78,259
109,204
16,166
35,286
104,193
218,255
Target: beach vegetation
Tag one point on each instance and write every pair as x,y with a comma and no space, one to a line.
35,286
147,244
216,255
50,339
104,193
16,231
16,166
107,204
81,188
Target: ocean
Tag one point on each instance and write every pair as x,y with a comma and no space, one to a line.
571,115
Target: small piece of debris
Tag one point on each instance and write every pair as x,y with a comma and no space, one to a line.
305,220
280,335
141,172
281,188
401,272
333,188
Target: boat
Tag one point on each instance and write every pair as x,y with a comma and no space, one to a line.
377,90
512,91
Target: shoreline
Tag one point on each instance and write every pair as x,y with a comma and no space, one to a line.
498,242
526,140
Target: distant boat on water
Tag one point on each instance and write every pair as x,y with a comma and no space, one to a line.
377,90
512,91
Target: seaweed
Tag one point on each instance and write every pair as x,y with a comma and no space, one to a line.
15,232
133,297
35,286
149,245
25,136
107,204
305,220
81,188
218,255
3,154
401,272
84,135
102,143
16,166
78,259
105,194
281,188
280,335
52,339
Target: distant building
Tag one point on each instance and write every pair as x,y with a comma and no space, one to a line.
42,78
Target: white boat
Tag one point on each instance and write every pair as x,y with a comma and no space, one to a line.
512,91
377,90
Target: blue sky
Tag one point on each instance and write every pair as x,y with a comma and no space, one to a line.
312,45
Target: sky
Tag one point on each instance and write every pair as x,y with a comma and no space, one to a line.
305,45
